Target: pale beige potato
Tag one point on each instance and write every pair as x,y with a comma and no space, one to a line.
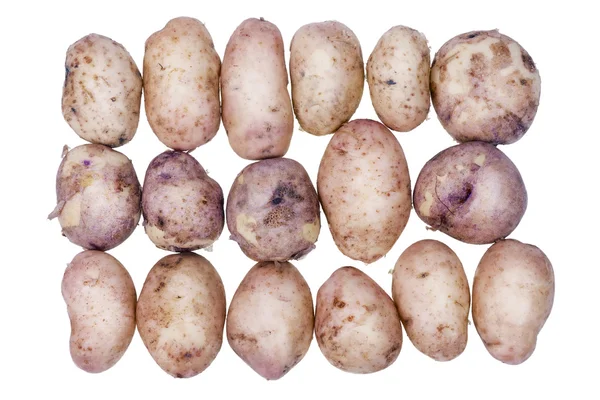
257,110
181,84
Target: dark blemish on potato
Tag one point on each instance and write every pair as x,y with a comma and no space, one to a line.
87,59
178,375
73,110
302,73
472,35
527,61
87,163
276,201
67,70
523,82
501,55
94,246
244,338
286,189
407,322
165,175
423,275
160,222
113,99
370,308
122,139
338,303
478,66
159,287
274,109
390,82
441,327
350,318
161,67
187,354
390,353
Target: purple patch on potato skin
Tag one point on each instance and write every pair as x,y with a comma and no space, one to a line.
87,163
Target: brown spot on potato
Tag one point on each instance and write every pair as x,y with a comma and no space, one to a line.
423,275
528,61
338,303
478,66
87,59
244,338
501,55
159,287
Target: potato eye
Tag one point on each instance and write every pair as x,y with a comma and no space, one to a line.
277,200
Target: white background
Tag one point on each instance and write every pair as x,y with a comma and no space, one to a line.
558,159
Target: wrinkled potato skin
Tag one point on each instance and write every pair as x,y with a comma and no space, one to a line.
98,197
398,78
364,188
472,192
182,206
181,314
101,299
485,86
273,211
356,323
327,74
513,294
431,292
271,342
181,84
102,91
257,110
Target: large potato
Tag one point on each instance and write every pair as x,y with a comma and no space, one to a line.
513,293
364,188
182,206
273,210
257,111
181,84
102,91
327,74
98,197
270,320
100,299
472,192
356,323
431,292
181,314
398,77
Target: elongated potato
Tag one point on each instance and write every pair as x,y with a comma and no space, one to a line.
257,111
364,188
181,84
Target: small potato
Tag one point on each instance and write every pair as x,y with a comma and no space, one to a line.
257,111
472,192
398,77
431,292
271,319
364,188
181,84
98,197
181,204
485,86
356,323
181,314
327,74
273,211
100,298
513,294
102,91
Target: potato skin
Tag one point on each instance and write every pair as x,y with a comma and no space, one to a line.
364,188
181,314
327,76
98,197
431,292
181,84
101,299
271,342
485,86
513,294
398,78
273,211
257,110
472,192
356,323
102,91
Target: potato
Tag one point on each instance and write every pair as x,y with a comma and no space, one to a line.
472,192
181,314
182,206
102,91
273,211
257,110
327,75
398,78
356,323
485,86
181,84
431,292
364,188
513,293
100,298
98,197
271,319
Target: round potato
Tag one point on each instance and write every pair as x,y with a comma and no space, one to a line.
364,188
472,192
102,91
181,314
100,298
327,74
485,86
431,292
398,78
98,197
271,342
